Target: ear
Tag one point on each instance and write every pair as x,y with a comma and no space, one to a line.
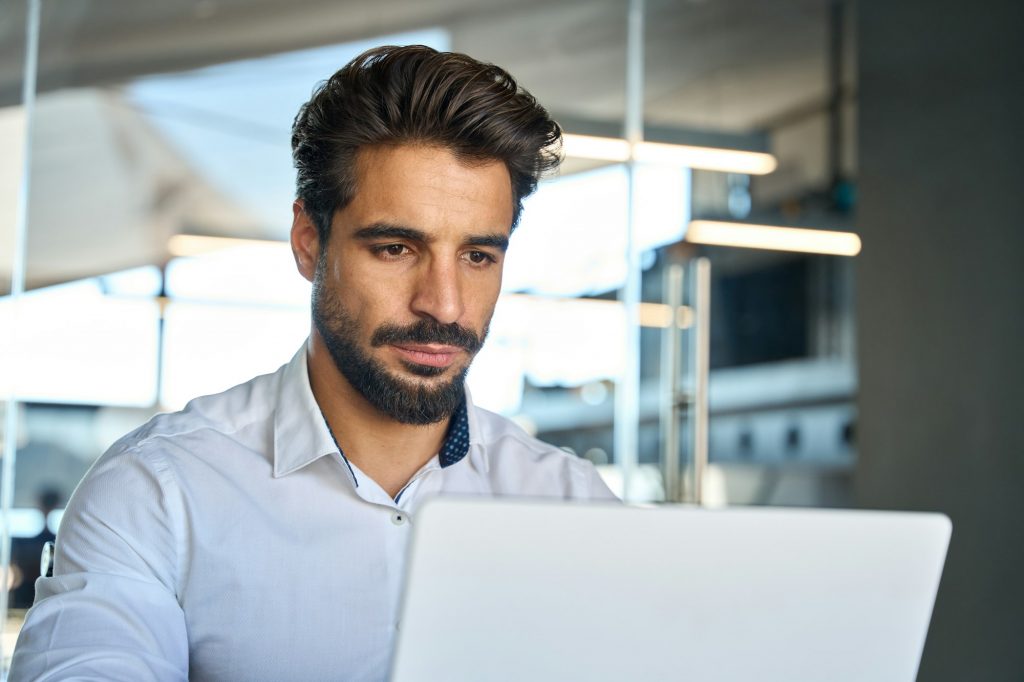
305,241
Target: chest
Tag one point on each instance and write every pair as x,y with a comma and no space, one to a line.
301,581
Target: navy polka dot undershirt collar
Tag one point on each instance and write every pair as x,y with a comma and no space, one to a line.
456,441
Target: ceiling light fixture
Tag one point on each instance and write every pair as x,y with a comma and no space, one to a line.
703,158
774,238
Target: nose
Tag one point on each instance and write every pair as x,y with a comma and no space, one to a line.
439,292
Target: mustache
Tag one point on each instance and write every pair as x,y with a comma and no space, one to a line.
428,331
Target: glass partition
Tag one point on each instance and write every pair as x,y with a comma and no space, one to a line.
18,30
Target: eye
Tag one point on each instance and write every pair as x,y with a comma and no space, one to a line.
388,251
480,258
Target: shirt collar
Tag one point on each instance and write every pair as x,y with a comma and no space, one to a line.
301,435
300,432
477,456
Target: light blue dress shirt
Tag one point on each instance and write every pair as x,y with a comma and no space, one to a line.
233,541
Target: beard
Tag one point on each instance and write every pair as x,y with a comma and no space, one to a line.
406,401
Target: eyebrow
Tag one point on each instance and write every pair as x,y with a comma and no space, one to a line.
392,231
496,241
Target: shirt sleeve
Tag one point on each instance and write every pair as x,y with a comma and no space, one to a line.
585,481
110,611
598,489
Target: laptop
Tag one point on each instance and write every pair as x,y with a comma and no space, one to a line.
530,591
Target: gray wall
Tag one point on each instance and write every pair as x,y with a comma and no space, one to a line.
940,309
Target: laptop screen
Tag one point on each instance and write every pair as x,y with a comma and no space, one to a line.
520,590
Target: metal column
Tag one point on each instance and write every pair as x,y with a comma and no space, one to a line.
627,391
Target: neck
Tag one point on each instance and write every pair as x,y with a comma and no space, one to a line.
384,449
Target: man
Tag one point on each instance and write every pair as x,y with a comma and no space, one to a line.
261,533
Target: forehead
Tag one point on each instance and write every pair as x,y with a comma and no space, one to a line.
428,187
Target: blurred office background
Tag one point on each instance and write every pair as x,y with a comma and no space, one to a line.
156,268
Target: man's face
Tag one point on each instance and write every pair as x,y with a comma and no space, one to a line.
406,285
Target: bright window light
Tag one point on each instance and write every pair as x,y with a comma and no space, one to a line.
53,520
26,522
550,342
571,240
255,272
497,374
75,345
209,348
144,281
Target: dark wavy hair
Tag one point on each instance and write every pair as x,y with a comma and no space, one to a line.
415,94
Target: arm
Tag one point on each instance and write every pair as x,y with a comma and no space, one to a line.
110,612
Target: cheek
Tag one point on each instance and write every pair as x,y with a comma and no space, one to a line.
373,300
481,299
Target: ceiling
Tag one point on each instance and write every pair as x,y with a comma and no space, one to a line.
733,65
731,68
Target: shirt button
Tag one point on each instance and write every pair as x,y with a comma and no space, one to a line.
399,518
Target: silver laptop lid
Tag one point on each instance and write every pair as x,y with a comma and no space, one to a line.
539,591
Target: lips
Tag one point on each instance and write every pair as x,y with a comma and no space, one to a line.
432,355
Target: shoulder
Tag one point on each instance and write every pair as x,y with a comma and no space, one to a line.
518,463
240,414
141,475
502,434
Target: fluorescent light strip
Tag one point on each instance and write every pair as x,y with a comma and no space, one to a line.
599,148
182,245
655,315
704,158
659,315
773,238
